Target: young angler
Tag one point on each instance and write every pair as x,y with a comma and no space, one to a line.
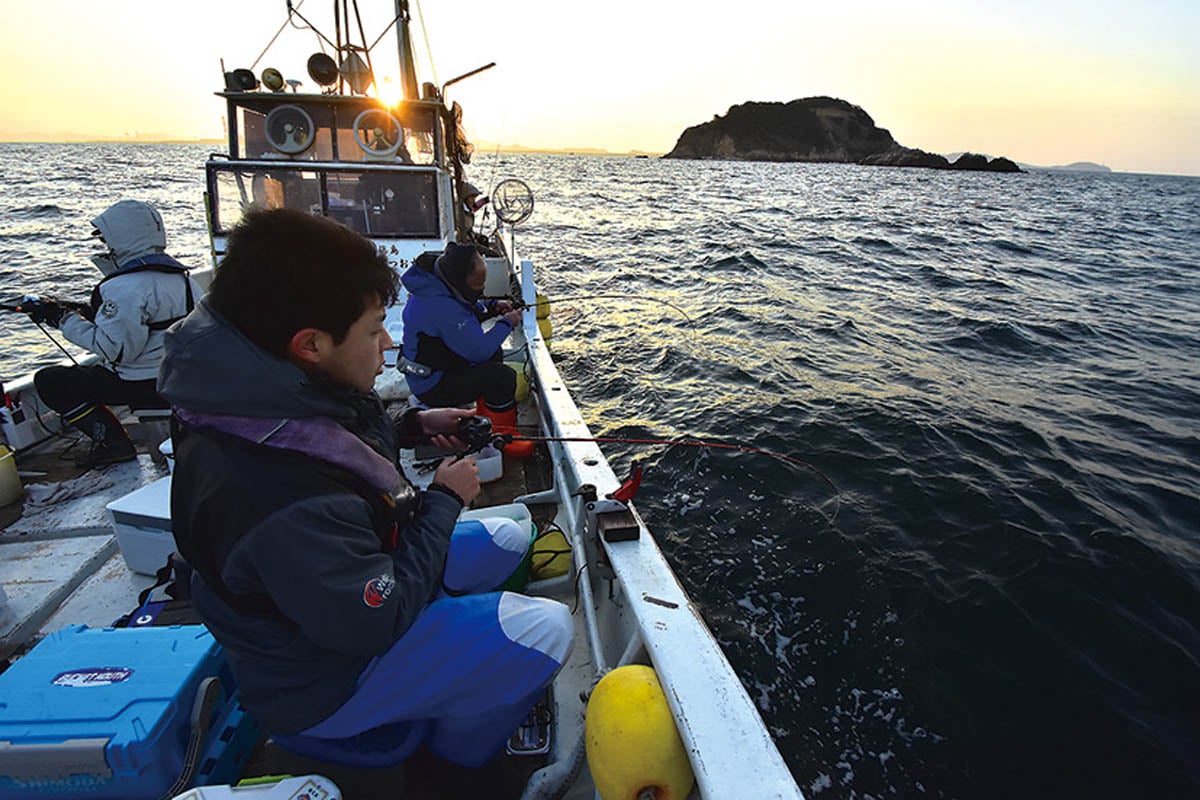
353,608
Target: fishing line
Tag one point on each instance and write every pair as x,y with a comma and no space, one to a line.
667,303
741,448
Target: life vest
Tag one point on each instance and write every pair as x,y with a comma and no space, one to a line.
159,262
389,513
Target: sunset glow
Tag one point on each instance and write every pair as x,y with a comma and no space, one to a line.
1112,82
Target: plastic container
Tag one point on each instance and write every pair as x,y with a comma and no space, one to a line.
490,463
11,489
105,713
142,522
300,787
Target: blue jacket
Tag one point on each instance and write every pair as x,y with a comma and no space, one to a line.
443,332
302,572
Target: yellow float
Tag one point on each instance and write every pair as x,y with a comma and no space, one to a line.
522,381
633,748
542,304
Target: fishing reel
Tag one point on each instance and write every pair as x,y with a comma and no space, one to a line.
476,433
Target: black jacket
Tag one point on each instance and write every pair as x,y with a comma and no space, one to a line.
296,575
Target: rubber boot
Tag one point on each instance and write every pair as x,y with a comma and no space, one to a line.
110,443
505,422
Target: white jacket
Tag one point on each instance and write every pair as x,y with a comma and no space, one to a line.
127,303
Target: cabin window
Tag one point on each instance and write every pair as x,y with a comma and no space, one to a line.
372,202
254,141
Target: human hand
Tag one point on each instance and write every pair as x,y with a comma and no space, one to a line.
504,306
513,317
460,476
42,310
441,426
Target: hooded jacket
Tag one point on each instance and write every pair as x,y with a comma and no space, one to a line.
143,290
300,571
442,331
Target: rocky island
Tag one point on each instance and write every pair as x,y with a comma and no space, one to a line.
823,129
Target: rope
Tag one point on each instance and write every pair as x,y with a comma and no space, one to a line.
286,22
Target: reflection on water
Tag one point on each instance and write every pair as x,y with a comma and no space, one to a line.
998,373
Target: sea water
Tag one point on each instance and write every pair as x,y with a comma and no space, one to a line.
986,582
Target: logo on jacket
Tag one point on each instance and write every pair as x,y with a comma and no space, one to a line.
109,309
377,590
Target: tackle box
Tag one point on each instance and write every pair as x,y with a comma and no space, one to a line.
107,713
142,522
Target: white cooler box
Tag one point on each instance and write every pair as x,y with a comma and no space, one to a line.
142,521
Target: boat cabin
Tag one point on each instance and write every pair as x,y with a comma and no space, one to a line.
388,172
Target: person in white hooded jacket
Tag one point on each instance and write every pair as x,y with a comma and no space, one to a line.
144,291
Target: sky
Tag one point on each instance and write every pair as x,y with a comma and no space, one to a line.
1043,82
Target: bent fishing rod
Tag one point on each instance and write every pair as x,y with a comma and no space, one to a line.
22,310
522,305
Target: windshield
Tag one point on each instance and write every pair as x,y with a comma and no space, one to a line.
372,202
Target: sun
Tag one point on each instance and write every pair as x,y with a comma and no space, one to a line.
389,91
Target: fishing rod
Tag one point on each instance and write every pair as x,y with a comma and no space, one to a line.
523,305
711,445
22,310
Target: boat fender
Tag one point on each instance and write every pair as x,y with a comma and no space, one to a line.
522,381
546,328
543,306
633,747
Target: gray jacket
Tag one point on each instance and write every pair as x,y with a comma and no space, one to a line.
130,302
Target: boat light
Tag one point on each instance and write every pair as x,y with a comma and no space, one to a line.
322,69
272,79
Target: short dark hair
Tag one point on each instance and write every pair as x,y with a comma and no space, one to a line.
285,270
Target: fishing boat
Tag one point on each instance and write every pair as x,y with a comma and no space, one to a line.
398,174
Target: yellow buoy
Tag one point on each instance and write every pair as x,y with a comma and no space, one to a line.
543,306
632,743
546,328
522,382
550,556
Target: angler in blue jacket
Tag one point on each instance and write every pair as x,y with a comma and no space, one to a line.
447,357
358,615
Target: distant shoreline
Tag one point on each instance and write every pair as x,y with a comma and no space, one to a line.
480,147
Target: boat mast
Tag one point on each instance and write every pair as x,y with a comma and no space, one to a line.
408,69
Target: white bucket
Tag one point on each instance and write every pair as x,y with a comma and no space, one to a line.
490,463
11,489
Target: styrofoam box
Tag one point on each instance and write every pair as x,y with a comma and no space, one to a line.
142,522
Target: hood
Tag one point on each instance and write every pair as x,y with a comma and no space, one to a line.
422,283
131,229
210,367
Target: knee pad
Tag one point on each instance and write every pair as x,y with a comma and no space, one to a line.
507,534
538,623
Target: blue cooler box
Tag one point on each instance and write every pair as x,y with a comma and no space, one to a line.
105,714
